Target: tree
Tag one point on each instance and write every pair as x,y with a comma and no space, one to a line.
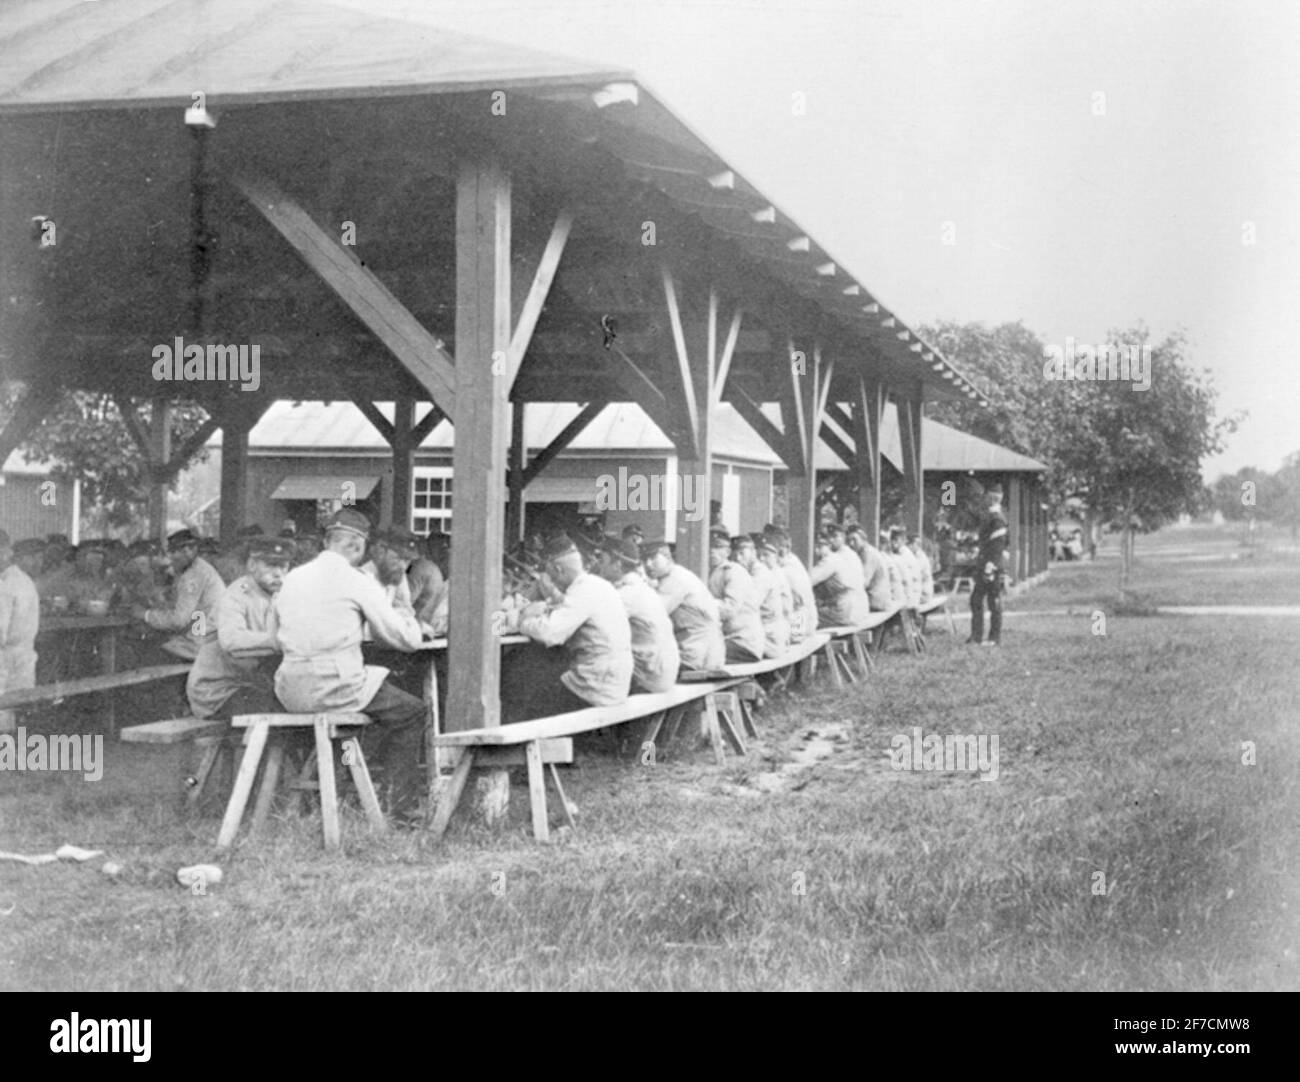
86,439
1134,455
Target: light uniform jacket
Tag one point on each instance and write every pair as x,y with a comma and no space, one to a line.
842,602
911,573
194,612
20,616
773,612
696,623
246,626
655,659
876,575
592,625
927,575
801,592
742,627
321,608
398,594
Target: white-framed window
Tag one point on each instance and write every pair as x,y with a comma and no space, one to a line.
431,499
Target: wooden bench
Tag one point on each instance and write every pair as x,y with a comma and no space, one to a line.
482,747
804,651
326,728
89,685
938,603
210,734
846,642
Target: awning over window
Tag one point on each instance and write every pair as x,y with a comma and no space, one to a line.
325,487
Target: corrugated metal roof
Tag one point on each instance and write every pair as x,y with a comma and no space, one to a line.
317,428
57,55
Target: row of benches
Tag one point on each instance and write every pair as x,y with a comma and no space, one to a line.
723,695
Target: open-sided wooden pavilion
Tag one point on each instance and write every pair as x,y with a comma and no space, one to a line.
391,212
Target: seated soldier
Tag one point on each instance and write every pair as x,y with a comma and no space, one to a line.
235,672
874,572
742,627
803,620
590,622
691,608
924,565
192,615
20,617
773,592
655,659
837,581
769,554
321,609
907,566
427,586
897,591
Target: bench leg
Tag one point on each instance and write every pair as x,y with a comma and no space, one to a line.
243,786
211,752
450,795
564,800
714,730
833,664
656,722
365,787
537,791
952,624
727,723
329,797
270,779
865,664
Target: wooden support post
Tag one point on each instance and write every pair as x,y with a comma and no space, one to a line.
160,442
868,408
909,433
235,426
482,341
397,499
515,508
692,399
806,398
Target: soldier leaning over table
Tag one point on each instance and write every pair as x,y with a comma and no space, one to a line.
874,572
20,616
192,615
590,623
989,571
693,611
803,618
321,610
738,601
773,591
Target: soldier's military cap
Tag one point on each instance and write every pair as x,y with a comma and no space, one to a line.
181,538
272,550
559,545
624,549
650,548
401,540
349,519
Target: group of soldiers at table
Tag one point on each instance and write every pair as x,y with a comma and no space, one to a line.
616,616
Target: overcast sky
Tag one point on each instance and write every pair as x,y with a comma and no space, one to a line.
984,113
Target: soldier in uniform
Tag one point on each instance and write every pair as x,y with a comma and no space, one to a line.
321,609
20,617
691,608
731,584
655,658
193,612
235,672
774,602
990,571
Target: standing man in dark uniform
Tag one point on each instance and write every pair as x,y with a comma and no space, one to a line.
990,570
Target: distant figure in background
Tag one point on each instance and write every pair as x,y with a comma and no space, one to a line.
989,571
57,550
192,615
655,658
20,617
306,548
30,556
731,584
691,608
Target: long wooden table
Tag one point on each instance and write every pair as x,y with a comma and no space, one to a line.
107,629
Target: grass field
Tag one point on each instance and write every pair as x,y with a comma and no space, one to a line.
811,864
